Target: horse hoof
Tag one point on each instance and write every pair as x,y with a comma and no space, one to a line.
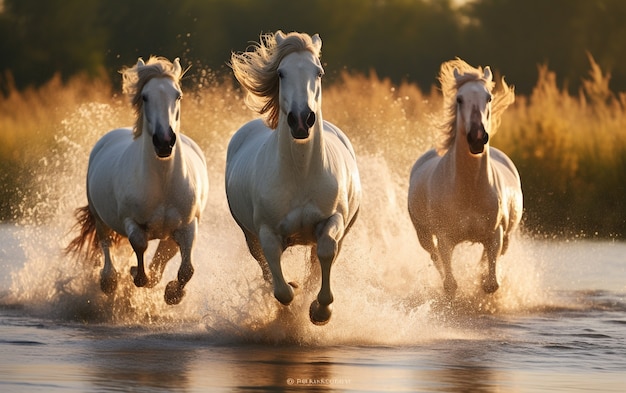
108,284
141,280
320,314
450,287
286,297
490,286
174,293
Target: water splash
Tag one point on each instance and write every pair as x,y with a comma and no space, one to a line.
386,290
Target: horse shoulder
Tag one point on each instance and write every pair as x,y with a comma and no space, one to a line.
352,180
245,137
509,186
336,131
104,166
191,144
504,162
197,179
423,167
244,171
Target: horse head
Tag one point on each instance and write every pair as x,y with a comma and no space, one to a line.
473,101
160,107
300,91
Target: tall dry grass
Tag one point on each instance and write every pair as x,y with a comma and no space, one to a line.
571,153
570,149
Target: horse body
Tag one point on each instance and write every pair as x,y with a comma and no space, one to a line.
161,195
296,183
472,192
150,183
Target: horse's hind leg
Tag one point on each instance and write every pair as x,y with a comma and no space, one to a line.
108,275
185,238
254,246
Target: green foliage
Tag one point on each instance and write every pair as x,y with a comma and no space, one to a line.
399,39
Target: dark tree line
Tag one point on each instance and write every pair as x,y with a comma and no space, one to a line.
400,39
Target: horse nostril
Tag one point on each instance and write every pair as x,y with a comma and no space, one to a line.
172,138
485,137
292,120
310,120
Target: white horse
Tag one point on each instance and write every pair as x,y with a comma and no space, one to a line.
294,179
145,183
472,192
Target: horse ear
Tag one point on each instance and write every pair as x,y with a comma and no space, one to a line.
177,68
456,73
140,62
280,37
488,74
317,42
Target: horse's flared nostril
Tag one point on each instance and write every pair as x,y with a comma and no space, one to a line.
310,119
164,142
292,120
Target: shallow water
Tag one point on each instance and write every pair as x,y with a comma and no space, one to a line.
557,323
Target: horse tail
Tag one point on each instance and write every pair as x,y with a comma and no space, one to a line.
86,243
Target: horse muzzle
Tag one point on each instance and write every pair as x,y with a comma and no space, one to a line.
477,138
300,124
164,142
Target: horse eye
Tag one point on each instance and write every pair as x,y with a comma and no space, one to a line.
179,97
489,97
144,98
459,100
280,74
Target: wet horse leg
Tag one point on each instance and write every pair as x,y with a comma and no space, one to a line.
428,241
272,247
165,251
490,254
139,242
108,275
185,238
254,246
445,249
329,237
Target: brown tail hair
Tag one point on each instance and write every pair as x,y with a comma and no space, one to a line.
86,243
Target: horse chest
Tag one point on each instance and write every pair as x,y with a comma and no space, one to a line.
472,219
298,225
160,217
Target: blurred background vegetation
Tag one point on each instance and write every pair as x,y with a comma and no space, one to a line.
566,131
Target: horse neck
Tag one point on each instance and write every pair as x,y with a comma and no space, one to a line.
471,170
303,157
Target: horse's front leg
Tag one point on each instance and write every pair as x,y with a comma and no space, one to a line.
185,238
272,246
445,248
165,251
139,241
329,237
491,253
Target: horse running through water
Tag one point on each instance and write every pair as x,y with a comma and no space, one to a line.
472,191
145,183
292,179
